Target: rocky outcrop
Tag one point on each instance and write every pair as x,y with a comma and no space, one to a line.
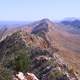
34,41
27,76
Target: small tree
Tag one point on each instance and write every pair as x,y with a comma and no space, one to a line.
22,62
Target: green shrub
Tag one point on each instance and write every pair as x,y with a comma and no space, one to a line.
19,62
22,62
4,74
56,75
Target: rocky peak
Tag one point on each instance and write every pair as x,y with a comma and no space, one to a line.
43,25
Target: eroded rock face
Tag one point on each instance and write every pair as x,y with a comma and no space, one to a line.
32,40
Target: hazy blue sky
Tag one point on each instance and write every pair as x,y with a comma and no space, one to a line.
37,9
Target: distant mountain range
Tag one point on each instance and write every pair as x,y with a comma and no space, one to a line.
75,23
71,25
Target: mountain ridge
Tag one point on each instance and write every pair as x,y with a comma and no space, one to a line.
38,53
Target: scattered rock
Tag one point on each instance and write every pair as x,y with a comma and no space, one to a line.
28,76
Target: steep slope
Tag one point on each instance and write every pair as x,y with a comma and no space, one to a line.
67,43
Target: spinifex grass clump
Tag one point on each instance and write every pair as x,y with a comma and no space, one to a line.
4,73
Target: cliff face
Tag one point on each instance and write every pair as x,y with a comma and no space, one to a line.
34,53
